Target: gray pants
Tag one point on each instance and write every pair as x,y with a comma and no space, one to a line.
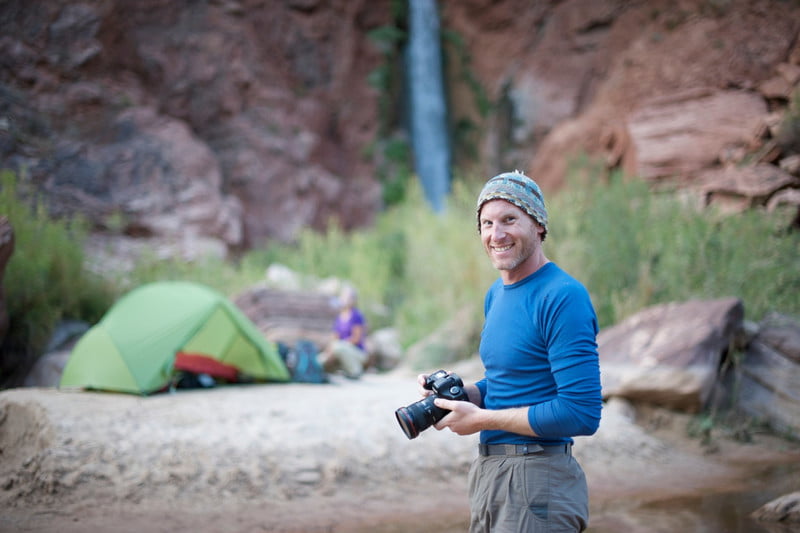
527,493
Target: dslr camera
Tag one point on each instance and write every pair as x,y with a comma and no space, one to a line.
421,415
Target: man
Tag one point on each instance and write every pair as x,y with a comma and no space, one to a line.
541,384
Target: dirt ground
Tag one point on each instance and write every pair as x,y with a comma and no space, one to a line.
311,458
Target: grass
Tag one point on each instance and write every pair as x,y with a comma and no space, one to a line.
414,269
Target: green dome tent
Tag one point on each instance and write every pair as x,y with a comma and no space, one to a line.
134,347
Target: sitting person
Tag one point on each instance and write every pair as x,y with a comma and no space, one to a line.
346,351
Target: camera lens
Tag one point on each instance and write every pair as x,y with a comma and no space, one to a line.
419,416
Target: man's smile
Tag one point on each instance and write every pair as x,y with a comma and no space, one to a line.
500,249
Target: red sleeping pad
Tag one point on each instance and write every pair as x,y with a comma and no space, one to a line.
199,363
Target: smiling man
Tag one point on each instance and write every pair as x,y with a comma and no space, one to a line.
541,385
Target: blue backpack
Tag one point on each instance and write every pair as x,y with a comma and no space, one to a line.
301,360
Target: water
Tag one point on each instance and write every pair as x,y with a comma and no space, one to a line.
429,138
713,512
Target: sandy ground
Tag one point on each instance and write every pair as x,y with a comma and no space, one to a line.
294,457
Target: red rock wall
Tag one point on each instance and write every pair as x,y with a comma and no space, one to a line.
240,122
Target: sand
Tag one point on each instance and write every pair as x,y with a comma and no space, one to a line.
297,457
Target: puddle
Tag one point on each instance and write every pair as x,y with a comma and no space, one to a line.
717,512
727,512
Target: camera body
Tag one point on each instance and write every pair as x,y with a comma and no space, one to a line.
419,416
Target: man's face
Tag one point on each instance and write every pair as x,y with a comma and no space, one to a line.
511,239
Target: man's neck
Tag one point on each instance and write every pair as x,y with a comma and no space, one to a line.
534,263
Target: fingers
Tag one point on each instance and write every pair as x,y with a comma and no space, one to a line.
421,379
445,403
463,418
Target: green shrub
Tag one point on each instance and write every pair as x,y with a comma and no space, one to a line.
415,269
44,280
634,248
631,247
214,272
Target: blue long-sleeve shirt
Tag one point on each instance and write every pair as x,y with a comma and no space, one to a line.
539,349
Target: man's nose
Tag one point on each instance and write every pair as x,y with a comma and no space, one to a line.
497,232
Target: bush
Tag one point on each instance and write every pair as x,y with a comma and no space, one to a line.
44,281
631,247
415,269
634,248
417,266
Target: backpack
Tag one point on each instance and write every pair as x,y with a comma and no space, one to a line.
301,360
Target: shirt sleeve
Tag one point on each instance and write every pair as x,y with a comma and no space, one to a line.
482,389
571,329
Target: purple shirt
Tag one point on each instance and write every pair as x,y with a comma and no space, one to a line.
344,328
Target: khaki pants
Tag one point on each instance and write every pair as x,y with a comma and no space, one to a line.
345,355
528,493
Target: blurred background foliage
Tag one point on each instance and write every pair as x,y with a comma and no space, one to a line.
45,280
631,246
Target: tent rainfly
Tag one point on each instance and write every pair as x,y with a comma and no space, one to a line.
134,347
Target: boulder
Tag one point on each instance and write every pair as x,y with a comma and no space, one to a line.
289,315
788,199
785,510
47,369
669,354
742,187
453,341
766,382
154,179
384,348
685,132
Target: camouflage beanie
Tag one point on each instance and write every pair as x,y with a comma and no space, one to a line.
520,190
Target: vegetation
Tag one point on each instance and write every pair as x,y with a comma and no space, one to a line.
631,247
391,153
635,248
45,280
415,264
391,150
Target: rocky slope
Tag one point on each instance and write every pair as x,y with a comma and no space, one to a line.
205,127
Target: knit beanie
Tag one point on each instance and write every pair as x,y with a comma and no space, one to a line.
520,190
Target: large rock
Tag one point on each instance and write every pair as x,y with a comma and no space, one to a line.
384,348
742,187
451,342
669,354
784,510
678,135
596,63
277,93
766,382
259,114
289,315
154,178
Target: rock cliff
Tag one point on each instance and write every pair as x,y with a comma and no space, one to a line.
223,124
